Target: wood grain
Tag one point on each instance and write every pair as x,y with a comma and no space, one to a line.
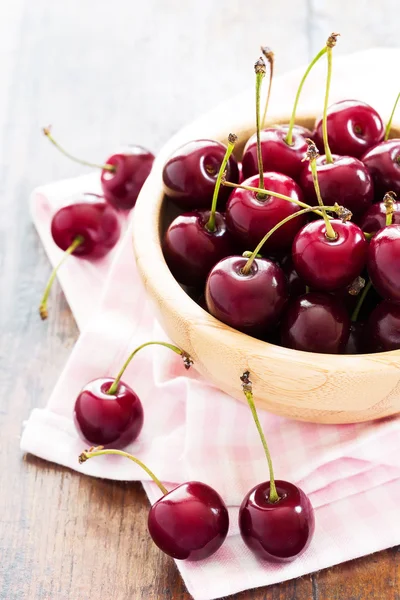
103,75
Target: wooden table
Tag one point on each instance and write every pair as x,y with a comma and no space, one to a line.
105,73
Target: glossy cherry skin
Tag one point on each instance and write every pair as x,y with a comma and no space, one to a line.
382,331
190,174
132,167
190,522
345,181
356,343
249,219
277,531
325,264
96,222
375,218
191,250
383,262
296,286
353,128
277,155
316,322
103,419
383,163
250,303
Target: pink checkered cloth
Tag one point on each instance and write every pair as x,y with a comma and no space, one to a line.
193,431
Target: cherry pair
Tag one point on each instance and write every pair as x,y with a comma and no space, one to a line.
276,518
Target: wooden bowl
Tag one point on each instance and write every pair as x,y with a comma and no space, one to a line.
311,387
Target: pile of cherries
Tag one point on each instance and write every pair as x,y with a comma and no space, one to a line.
251,249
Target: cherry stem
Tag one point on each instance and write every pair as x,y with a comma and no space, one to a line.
43,304
248,392
327,150
47,133
259,191
232,139
388,201
289,136
187,361
247,267
100,451
389,123
269,55
361,299
312,155
260,74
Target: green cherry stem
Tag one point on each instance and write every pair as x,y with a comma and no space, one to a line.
187,361
247,266
232,139
47,133
100,451
260,70
248,392
70,250
389,123
331,43
312,155
388,201
289,136
361,299
269,55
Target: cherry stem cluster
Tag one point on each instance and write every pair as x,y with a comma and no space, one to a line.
100,451
232,139
47,133
389,123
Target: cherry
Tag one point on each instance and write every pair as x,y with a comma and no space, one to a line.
276,518
250,301
353,126
84,229
376,216
383,328
197,240
190,174
316,322
355,343
383,262
123,174
296,285
345,180
108,412
383,163
190,522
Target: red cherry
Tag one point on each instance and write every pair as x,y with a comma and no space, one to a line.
248,218
96,222
190,174
277,531
383,163
190,522
103,419
353,128
316,322
382,332
345,181
383,262
121,187
326,264
375,217
251,303
277,154
191,249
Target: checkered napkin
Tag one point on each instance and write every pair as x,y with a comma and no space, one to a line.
193,431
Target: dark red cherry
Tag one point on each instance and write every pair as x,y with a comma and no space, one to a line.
96,222
353,128
277,155
325,264
383,163
345,181
383,262
382,332
132,166
375,217
190,522
191,249
278,531
190,174
296,285
356,342
104,419
250,303
248,218
315,322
